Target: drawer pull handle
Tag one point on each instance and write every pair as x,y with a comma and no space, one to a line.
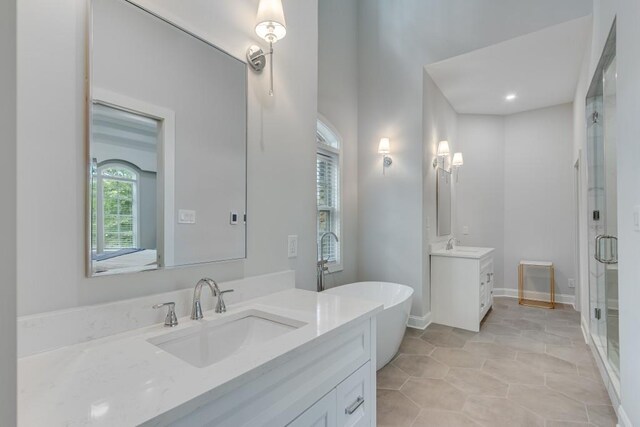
354,406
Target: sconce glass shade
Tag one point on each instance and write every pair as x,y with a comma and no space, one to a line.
457,159
443,148
271,25
384,146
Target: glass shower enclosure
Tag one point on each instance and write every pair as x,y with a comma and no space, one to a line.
602,201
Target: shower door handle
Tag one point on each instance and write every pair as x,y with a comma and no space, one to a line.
612,241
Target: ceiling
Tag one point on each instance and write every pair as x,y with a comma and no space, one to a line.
541,68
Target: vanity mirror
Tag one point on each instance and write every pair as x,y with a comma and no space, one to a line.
167,145
443,202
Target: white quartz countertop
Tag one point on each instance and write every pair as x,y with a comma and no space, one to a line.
463,252
123,380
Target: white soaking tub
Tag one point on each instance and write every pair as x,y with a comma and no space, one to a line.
392,321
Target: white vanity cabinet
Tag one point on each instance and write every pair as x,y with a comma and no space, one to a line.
330,383
348,405
461,286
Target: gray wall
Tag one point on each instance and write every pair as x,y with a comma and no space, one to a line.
8,390
538,192
139,56
51,124
338,103
480,187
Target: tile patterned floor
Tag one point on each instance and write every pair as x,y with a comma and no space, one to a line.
526,367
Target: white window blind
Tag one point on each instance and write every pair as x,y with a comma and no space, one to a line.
115,204
328,192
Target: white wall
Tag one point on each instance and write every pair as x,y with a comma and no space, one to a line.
515,190
628,132
338,104
439,122
8,390
628,153
580,155
480,187
395,41
281,152
539,196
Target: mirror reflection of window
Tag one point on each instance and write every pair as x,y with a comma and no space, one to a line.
117,208
328,192
123,191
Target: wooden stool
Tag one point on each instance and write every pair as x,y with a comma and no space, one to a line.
552,288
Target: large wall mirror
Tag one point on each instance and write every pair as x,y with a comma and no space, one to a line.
167,145
443,202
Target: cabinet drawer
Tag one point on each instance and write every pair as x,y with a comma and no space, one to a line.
321,414
354,400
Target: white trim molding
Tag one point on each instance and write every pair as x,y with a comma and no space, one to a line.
623,418
166,161
543,296
419,322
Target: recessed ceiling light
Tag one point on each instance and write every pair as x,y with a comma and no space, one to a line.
510,97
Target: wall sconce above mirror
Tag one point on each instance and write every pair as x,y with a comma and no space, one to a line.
441,154
457,160
384,148
270,27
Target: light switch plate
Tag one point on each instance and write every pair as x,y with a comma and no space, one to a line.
186,216
572,283
292,246
636,218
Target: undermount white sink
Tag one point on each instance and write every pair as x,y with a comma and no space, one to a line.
216,340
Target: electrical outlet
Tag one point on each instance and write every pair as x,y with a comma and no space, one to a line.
572,283
292,246
465,230
636,218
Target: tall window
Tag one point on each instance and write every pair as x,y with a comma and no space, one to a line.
328,192
116,208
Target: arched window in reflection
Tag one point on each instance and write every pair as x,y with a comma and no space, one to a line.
115,208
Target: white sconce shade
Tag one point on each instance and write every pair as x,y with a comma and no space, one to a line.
384,147
443,148
271,25
457,159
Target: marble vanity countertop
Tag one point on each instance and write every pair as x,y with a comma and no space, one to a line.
463,252
124,380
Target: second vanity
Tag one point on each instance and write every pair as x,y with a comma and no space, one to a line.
461,286
293,357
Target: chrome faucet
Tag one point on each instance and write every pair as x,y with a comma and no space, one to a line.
322,264
196,312
450,243
221,307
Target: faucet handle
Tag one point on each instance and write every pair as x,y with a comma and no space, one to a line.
221,307
171,319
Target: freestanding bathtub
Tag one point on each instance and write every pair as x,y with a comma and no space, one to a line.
392,321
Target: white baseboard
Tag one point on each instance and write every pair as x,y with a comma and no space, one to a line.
543,296
419,322
585,329
623,418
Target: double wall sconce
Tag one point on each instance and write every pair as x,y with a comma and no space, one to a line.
271,27
441,157
384,148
